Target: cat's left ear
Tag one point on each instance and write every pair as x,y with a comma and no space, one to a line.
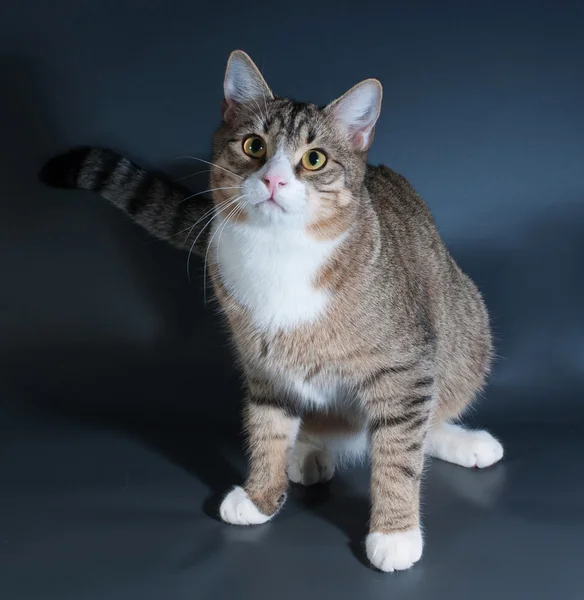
243,83
357,111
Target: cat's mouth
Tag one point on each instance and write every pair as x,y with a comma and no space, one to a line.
270,205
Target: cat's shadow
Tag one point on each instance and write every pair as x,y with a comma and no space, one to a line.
199,454
211,455
206,445
342,505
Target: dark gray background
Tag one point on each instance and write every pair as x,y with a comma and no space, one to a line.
119,399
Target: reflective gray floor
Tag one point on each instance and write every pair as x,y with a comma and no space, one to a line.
95,513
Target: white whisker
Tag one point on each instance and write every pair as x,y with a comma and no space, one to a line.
233,187
241,208
191,175
232,212
208,163
213,209
191,227
217,213
167,237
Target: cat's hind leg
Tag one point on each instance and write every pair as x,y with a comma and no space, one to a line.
455,443
323,440
310,463
465,447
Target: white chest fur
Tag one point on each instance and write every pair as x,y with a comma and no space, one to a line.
271,271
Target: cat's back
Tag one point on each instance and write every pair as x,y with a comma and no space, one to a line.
393,196
416,249
405,220
453,301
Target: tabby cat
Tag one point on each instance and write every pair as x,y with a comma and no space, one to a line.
355,329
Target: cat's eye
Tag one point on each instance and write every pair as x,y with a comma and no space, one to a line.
313,160
254,146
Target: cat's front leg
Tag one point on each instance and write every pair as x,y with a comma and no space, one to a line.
398,413
271,425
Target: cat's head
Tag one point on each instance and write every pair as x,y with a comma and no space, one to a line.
291,164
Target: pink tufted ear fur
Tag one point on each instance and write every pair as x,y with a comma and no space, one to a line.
357,111
243,83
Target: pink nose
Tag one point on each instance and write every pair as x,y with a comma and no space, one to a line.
274,181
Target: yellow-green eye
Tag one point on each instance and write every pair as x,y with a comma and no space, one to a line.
313,160
254,146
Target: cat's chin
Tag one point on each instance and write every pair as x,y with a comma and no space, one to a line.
270,205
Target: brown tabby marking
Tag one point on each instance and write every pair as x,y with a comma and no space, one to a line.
271,434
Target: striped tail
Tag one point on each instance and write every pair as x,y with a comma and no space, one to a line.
149,199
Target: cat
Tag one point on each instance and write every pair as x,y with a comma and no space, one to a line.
355,329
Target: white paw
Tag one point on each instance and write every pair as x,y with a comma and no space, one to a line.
394,551
310,465
238,509
463,447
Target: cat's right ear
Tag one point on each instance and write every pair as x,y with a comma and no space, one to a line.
243,84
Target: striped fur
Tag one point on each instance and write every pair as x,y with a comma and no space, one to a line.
355,329
150,199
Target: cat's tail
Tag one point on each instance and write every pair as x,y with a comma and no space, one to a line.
150,199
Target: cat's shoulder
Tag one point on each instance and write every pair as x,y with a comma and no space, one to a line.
380,178
390,190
